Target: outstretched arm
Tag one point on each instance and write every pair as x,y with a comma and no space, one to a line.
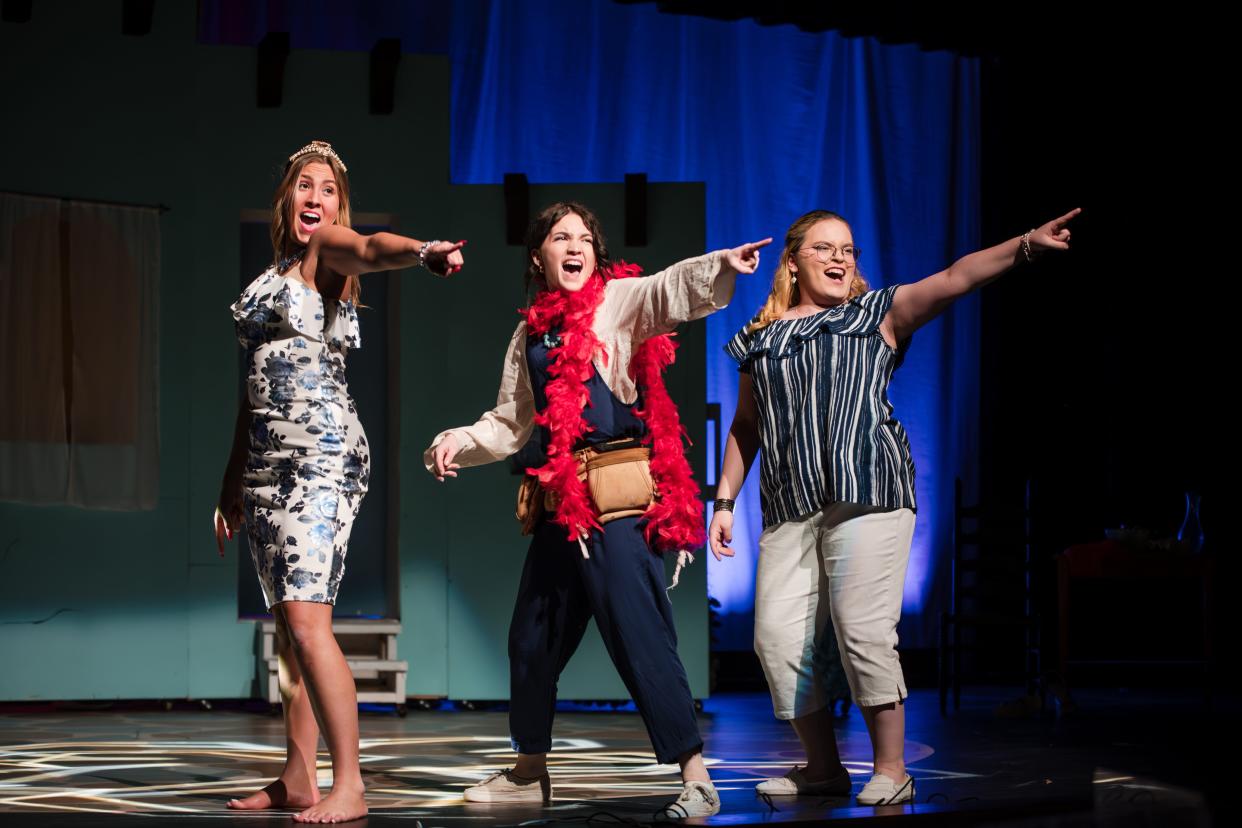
917,303
688,290
349,253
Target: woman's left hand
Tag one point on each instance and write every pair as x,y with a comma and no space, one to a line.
226,521
1054,235
444,258
745,259
720,534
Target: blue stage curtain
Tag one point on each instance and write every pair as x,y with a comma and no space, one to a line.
777,122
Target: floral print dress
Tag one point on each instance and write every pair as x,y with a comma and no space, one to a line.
309,463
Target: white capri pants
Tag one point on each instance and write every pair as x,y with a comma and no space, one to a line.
846,562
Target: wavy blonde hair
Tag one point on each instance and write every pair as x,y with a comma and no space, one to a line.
785,293
284,243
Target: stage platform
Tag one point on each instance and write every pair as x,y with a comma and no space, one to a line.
123,765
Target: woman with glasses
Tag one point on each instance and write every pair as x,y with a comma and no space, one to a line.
836,486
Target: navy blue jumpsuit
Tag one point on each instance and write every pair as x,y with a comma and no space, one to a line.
621,585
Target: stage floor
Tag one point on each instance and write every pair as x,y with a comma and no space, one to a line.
115,767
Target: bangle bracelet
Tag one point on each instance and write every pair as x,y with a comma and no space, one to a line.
422,252
722,504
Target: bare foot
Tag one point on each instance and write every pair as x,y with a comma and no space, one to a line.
276,795
340,805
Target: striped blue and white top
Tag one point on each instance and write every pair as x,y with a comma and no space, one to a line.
826,427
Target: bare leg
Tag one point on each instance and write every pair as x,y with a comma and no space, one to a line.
887,725
531,765
296,786
692,767
534,765
335,701
814,730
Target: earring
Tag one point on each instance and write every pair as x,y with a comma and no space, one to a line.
793,277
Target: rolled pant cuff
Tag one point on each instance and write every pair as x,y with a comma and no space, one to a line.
790,713
695,746
875,701
531,747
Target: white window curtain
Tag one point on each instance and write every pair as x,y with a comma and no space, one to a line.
79,316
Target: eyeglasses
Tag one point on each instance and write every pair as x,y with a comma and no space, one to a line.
824,252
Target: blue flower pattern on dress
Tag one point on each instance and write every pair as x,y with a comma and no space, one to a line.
309,463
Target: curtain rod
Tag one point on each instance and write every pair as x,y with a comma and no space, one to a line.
163,208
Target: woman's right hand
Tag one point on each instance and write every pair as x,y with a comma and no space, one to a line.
444,258
230,513
745,259
720,534
442,458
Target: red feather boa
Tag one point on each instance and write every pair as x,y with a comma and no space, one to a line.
675,519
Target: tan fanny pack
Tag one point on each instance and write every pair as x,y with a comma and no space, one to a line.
619,481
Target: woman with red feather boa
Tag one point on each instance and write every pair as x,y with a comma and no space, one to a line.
585,365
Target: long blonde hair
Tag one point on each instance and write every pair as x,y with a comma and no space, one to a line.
283,241
785,293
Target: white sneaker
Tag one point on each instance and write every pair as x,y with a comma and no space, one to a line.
795,783
698,799
882,790
507,786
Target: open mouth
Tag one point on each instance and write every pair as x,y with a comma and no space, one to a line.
837,274
572,266
309,220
